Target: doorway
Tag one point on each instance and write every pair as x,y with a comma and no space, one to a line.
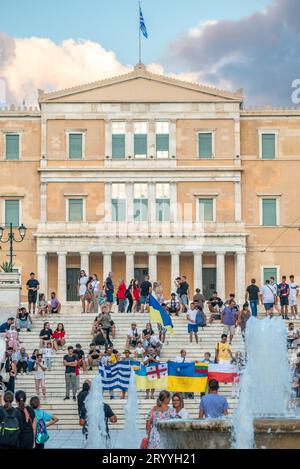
209,275
139,273
72,283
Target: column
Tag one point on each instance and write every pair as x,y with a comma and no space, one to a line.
42,272
108,139
240,266
62,277
221,274
198,270
153,266
106,264
175,267
129,147
129,267
238,201
172,143
43,202
151,144
84,262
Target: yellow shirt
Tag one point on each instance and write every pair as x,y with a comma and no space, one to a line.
223,351
113,359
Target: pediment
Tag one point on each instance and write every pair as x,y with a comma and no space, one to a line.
140,86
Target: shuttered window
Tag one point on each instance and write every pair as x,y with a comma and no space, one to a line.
75,146
162,145
270,272
140,210
12,146
268,146
205,145
162,209
206,210
269,212
118,210
140,145
75,210
12,212
118,146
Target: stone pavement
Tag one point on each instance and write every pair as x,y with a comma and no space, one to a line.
72,439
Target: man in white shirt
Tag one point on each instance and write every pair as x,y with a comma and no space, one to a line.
182,357
267,297
274,286
293,297
192,326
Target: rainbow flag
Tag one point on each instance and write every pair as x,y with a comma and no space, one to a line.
143,382
159,315
187,377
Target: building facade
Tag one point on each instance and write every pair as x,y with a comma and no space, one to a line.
145,173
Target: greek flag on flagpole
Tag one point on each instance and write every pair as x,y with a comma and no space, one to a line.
142,24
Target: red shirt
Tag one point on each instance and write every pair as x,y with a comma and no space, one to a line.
58,334
121,291
136,293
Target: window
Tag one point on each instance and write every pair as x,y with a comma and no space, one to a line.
75,210
162,139
140,202
269,212
268,146
75,146
163,202
118,139
118,202
206,210
270,272
12,145
205,144
12,212
140,139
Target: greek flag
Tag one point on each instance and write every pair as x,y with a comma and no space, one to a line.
142,24
116,376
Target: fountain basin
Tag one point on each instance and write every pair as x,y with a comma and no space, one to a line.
272,433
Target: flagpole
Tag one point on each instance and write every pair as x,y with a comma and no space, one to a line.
140,37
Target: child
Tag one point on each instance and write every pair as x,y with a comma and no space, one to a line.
42,305
12,338
48,353
139,352
39,375
43,421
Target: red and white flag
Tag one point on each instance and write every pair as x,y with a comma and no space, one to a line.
224,372
157,371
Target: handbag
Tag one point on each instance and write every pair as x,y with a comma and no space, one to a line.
144,443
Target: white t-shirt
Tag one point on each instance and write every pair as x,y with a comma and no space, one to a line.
96,286
47,352
151,363
267,293
191,314
139,351
40,374
154,340
180,359
274,288
183,413
132,333
293,290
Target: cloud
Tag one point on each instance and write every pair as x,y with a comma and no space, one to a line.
259,53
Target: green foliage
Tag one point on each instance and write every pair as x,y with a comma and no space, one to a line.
7,266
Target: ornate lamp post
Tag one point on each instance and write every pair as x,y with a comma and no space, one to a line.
11,238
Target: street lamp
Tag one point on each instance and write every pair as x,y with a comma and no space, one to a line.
11,238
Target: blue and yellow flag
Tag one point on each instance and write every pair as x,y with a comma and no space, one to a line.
159,315
187,377
143,382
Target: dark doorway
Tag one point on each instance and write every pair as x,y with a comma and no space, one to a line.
139,274
72,284
209,275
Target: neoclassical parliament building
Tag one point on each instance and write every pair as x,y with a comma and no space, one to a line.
143,173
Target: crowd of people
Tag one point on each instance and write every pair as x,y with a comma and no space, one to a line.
145,346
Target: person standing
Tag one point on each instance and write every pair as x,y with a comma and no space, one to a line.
39,376
43,421
274,287
32,286
96,291
11,422
151,359
252,293
109,289
135,295
158,413
145,290
229,319
268,298
243,317
213,405
70,363
82,281
28,421
183,294
283,293
10,370
192,326
121,296
294,293
199,298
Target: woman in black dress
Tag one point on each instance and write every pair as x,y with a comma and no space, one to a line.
28,421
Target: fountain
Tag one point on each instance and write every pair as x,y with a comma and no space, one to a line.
262,419
131,434
97,436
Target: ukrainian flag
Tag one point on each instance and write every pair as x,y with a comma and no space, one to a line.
159,315
143,383
187,377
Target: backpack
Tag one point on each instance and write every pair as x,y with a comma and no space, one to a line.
41,435
200,320
127,294
10,429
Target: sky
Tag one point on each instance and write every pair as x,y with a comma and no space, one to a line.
54,44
